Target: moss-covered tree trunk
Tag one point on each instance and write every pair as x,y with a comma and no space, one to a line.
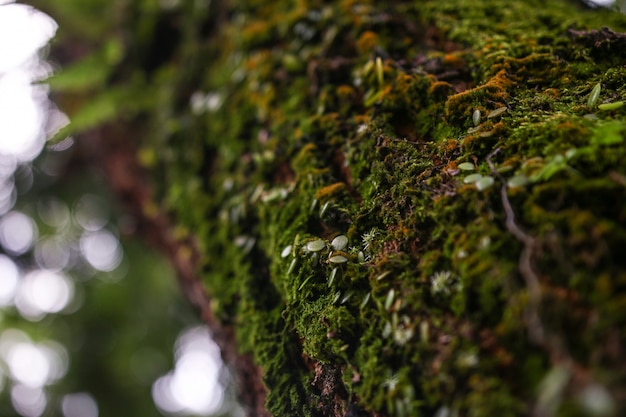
396,209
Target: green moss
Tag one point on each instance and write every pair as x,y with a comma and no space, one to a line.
314,138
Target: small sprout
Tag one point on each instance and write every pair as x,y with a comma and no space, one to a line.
517,181
274,194
473,129
316,245
292,266
333,274
240,241
228,184
379,71
466,166
611,106
245,242
441,282
336,297
389,300
391,383
597,400
497,112
249,245
487,134
505,168
286,251
484,183
338,259
346,297
368,238
424,331
306,281
476,117
467,360
340,242
383,275
314,205
387,330
595,94
472,178
366,299
257,193
372,98
552,386
361,256
402,334
570,153
324,208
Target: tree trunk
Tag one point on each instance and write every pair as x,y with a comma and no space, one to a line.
471,154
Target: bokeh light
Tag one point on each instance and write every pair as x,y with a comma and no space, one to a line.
9,276
17,232
80,404
23,30
23,105
193,386
101,249
8,194
53,253
28,364
28,401
41,292
20,101
32,365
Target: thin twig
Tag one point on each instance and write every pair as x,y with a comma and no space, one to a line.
535,326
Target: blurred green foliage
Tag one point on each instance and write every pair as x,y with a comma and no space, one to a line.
121,327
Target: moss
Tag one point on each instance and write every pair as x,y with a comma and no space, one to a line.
317,137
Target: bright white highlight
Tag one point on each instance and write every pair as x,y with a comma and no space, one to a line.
23,30
42,292
101,249
21,113
28,401
9,275
32,365
80,404
8,195
28,364
193,387
17,232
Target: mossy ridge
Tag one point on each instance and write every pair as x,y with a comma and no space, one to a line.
394,144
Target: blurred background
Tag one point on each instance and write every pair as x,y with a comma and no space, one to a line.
91,321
